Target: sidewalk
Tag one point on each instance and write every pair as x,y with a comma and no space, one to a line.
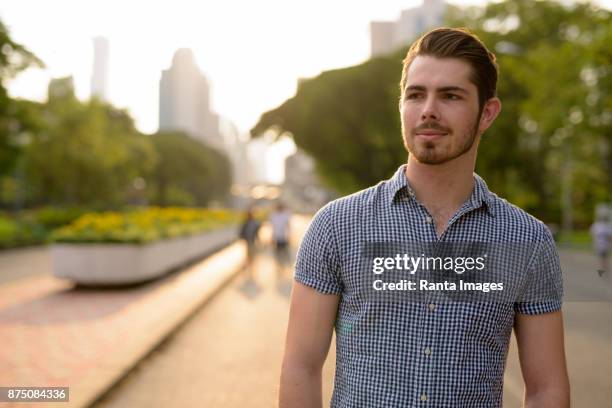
19,263
53,334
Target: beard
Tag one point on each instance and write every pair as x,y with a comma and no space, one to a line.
434,152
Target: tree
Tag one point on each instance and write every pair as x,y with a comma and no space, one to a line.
550,147
188,172
86,154
348,120
14,117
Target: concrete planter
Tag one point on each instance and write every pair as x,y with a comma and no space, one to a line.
122,264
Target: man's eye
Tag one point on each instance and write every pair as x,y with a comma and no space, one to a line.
452,96
413,96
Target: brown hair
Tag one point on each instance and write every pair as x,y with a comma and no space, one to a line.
457,43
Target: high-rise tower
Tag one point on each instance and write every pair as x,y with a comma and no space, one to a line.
184,101
99,77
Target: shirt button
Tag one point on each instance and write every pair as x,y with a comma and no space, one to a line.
432,306
423,397
429,220
427,351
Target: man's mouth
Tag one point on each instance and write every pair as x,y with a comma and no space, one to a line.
430,131
430,134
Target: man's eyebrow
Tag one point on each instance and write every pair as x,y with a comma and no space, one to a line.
452,89
415,88
441,89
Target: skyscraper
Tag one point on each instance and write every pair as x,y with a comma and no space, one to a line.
236,150
382,37
184,101
388,36
61,88
99,77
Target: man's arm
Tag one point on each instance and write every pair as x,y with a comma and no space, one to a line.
311,321
542,357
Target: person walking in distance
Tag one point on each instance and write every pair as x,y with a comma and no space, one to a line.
601,234
248,233
280,222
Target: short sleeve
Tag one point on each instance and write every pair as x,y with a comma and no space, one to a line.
317,263
543,288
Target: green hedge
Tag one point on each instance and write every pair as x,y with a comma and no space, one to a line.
17,233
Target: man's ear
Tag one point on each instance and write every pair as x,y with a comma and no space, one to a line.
490,110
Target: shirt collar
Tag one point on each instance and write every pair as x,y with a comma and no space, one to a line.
480,195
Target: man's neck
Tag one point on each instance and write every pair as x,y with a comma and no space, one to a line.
442,188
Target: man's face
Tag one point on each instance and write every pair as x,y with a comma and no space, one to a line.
439,112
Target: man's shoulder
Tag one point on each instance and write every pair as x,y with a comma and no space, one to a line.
341,217
354,203
515,218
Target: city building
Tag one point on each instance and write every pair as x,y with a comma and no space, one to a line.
388,36
61,88
382,38
236,150
99,77
257,150
184,101
302,189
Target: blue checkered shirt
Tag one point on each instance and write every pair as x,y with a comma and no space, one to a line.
419,354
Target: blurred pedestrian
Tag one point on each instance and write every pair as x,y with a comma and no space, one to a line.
248,232
601,233
279,219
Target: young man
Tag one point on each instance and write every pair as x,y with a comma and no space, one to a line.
413,354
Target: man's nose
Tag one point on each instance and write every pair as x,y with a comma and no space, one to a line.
430,110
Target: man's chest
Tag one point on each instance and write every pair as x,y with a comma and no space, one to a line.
397,273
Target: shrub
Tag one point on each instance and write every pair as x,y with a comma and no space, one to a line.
143,225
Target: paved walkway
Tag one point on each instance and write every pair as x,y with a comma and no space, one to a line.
53,334
17,264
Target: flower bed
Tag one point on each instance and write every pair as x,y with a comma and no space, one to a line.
143,225
125,248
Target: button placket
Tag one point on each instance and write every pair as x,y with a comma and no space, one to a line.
427,344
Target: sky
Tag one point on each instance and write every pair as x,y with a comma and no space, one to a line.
252,52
